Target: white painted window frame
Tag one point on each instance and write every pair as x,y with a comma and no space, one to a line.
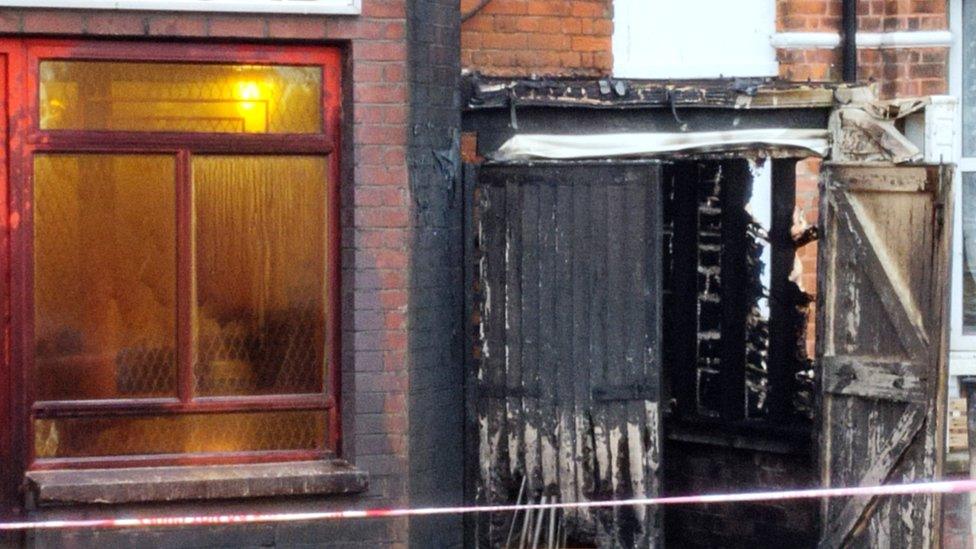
335,7
962,347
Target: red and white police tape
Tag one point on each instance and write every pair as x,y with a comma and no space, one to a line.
937,487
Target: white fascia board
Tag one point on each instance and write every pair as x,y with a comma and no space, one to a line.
334,7
830,40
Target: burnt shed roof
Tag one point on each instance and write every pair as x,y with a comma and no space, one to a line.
481,92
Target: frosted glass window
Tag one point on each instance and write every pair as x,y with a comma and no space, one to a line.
179,434
260,247
105,276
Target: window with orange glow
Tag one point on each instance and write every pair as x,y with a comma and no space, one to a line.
106,95
182,288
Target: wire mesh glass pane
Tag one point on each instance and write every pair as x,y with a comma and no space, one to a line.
260,252
178,97
969,253
104,276
179,434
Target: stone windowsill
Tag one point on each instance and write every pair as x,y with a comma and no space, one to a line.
165,484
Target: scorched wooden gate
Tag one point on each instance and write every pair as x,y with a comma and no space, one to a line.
882,340
565,265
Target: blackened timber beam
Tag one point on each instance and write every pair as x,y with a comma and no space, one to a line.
736,185
682,326
782,310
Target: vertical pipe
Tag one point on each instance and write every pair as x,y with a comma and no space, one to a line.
849,44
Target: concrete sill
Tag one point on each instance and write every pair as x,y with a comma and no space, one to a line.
166,484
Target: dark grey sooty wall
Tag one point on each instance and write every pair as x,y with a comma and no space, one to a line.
436,298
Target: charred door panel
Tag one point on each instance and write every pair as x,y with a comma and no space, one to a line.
882,347
564,265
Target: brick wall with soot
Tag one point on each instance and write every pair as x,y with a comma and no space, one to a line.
390,180
436,302
701,468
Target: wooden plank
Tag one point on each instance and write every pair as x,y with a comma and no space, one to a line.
891,290
647,389
879,380
566,370
651,344
889,179
631,521
547,369
492,238
582,254
514,388
530,328
641,245
616,363
599,346
943,211
909,424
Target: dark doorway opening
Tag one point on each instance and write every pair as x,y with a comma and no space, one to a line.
738,384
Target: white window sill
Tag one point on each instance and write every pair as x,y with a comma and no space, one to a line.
962,363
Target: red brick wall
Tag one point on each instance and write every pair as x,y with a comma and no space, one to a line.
808,206
545,37
376,220
898,72
554,37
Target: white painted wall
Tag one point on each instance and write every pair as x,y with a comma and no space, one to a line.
244,6
693,38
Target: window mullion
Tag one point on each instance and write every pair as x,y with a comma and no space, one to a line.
184,280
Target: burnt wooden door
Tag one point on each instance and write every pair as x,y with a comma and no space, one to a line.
882,299
564,278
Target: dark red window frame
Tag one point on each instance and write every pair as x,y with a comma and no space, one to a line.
19,63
